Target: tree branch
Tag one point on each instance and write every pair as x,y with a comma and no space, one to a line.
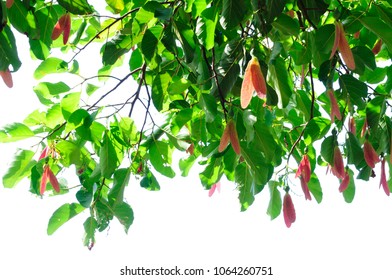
114,88
102,31
142,75
215,76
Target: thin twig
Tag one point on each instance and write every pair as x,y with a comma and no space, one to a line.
313,92
102,31
215,76
114,88
142,75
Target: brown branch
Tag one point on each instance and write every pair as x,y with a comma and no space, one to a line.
142,75
305,13
215,76
313,92
114,88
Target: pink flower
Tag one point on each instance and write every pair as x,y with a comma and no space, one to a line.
214,187
383,180
338,165
288,210
344,183
371,157
335,111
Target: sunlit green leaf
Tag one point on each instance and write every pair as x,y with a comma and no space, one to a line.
62,215
19,168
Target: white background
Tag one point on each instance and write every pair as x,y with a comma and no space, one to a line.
181,225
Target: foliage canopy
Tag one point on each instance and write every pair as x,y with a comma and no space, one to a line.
320,70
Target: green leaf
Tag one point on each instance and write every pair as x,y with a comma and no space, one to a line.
22,19
247,186
375,109
233,12
77,7
163,13
149,182
349,193
62,215
159,90
161,157
121,180
363,57
275,203
186,36
54,117
314,9
46,91
324,38
208,103
205,27
84,197
115,48
90,226
124,214
108,157
69,104
327,149
315,188
280,81
273,9
136,60
355,89
212,173
301,55
380,28
15,132
316,129
104,214
19,168
257,163
150,42
354,151
90,89
77,119
266,144
69,153
178,87
287,25
8,50
128,130
116,5
51,65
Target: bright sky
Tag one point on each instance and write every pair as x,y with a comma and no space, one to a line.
180,225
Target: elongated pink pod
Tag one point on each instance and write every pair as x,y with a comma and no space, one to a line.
344,184
338,165
44,180
383,179
371,156
288,210
53,180
7,78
